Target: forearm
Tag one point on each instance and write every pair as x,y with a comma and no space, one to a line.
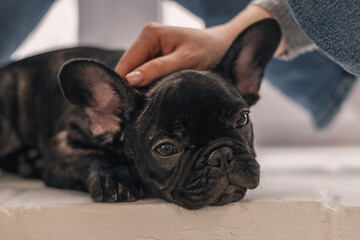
230,30
293,42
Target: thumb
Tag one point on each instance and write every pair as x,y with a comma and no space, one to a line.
154,69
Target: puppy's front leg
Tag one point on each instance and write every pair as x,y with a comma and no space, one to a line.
72,163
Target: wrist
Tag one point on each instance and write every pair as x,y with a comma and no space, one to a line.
244,19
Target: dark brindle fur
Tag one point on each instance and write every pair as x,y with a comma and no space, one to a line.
186,138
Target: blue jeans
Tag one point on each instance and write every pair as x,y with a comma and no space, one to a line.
17,20
312,80
334,26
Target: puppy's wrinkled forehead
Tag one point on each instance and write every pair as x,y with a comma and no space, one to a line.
191,100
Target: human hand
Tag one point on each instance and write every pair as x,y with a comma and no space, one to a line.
160,50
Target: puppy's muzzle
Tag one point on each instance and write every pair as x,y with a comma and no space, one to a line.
239,166
221,157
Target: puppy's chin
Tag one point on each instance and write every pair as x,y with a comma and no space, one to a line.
231,193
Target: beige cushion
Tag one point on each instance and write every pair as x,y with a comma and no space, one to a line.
304,194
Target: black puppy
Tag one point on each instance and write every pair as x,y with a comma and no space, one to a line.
187,138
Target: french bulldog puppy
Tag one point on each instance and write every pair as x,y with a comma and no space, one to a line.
187,138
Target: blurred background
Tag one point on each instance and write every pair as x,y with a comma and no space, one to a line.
277,120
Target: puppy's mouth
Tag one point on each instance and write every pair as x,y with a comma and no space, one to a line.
232,193
215,195
199,198
221,174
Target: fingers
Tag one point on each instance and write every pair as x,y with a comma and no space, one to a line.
154,69
143,49
160,50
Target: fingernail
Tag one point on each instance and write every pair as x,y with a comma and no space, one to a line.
135,78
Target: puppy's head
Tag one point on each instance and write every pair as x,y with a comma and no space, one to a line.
189,137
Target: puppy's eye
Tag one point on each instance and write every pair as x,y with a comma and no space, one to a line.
242,120
167,150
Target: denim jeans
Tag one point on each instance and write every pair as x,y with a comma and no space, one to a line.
312,80
334,26
17,19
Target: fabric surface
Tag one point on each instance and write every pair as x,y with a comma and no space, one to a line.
304,193
334,26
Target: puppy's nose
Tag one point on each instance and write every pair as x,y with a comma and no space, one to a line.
220,155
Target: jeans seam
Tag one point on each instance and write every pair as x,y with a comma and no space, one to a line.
328,111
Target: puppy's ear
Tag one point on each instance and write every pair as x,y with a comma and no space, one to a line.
245,61
106,98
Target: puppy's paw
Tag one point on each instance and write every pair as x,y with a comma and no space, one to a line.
30,163
114,185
